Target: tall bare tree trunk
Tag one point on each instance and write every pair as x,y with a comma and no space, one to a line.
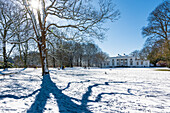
54,59
5,65
43,55
88,63
167,45
42,41
77,62
25,60
80,61
25,55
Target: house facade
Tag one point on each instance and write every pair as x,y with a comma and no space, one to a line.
125,61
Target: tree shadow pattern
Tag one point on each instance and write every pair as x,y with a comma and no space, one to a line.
2,72
65,103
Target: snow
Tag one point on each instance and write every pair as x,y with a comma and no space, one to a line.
134,90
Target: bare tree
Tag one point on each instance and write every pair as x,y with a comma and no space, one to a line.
135,53
90,51
7,18
78,54
79,15
159,22
24,46
100,57
158,30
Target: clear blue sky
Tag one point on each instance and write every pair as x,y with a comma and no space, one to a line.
124,35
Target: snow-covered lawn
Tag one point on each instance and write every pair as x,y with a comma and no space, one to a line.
78,90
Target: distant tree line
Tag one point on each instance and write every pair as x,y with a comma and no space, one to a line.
69,54
157,32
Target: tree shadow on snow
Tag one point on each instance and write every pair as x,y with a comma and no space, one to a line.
19,97
2,72
65,103
85,97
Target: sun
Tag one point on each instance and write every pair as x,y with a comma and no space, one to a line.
35,4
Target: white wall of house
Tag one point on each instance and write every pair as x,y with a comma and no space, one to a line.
127,61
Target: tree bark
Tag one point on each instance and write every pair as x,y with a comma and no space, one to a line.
5,65
80,61
54,62
25,60
77,62
43,55
88,63
71,61
25,55
53,59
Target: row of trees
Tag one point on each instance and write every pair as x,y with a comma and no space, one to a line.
77,54
50,23
70,54
157,32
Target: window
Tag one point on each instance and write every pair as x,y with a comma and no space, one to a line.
113,62
141,62
146,63
121,63
137,63
131,63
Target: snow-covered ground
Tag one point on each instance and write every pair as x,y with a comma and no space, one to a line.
78,90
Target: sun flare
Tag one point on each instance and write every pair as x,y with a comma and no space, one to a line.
35,4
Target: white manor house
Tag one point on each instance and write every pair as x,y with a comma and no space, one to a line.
125,61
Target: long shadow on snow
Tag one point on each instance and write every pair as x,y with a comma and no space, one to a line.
68,85
15,86
85,97
64,102
17,97
1,72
